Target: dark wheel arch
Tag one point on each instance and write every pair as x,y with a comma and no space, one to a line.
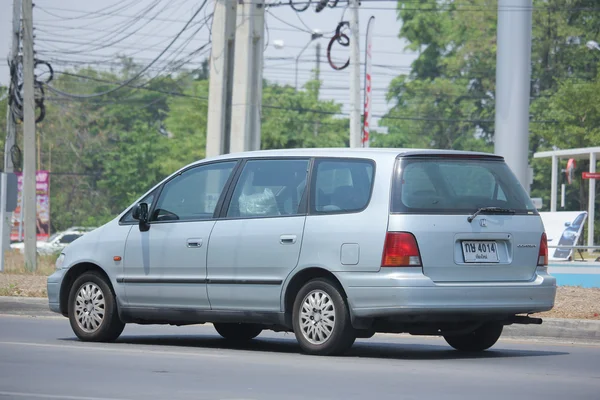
72,274
299,280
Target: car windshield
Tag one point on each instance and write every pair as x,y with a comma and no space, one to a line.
457,186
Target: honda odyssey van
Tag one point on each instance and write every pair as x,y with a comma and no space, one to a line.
330,244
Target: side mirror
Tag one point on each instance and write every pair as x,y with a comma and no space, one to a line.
135,212
567,224
140,213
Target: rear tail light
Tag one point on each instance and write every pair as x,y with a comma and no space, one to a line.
543,255
400,250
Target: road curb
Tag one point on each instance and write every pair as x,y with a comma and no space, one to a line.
29,306
557,328
552,328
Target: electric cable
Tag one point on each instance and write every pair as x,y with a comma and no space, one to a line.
343,40
303,8
139,73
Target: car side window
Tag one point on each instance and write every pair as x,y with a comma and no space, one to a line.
269,188
193,194
341,185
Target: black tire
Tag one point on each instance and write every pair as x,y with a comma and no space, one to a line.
238,332
480,339
341,336
110,326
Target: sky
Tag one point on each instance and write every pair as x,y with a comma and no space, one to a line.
71,33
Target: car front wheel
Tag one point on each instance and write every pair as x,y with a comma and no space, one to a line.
93,310
480,339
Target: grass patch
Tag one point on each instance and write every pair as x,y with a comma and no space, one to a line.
10,290
33,290
14,264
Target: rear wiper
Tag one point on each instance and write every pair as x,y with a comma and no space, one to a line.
490,210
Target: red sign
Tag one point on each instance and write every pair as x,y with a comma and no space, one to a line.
591,175
42,187
368,88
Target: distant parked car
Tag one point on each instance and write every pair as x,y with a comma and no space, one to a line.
55,243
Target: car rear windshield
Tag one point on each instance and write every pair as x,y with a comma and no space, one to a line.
455,186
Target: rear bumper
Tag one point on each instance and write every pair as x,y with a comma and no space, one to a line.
398,293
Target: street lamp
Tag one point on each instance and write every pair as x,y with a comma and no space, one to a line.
279,44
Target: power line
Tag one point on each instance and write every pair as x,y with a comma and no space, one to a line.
141,72
45,9
111,38
450,7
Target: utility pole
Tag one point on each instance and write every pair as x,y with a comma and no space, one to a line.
355,126
247,76
29,168
221,78
513,80
11,133
318,61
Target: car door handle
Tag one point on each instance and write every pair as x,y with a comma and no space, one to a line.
287,239
194,243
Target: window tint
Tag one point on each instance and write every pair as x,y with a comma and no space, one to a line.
193,194
68,238
456,185
269,188
148,200
342,185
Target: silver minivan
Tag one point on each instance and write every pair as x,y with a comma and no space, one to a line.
331,244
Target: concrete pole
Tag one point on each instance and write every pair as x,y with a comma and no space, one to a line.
11,131
554,183
221,78
513,62
29,167
318,63
355,103
247,76
591,203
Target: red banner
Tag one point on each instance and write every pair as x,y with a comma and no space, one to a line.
368,87
42,185
590,175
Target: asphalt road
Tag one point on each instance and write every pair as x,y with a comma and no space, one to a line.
41,359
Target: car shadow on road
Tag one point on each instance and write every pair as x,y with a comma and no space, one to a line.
372,348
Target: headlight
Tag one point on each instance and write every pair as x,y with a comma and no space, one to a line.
59,261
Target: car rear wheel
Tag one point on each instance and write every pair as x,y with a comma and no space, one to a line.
321,319
480,339
238,332
93,309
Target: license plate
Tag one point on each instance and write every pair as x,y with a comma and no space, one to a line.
480,252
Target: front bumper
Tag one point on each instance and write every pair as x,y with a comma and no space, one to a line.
53,285
404,293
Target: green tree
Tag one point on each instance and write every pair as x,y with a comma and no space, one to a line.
573,115
447,99
186,126
297,119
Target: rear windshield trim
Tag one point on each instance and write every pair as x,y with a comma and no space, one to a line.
466,156
398,207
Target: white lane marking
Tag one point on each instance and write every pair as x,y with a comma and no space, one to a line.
55,396
119,349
